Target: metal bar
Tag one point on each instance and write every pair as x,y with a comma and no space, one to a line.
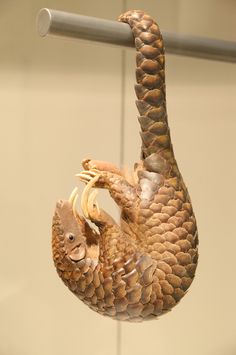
64,24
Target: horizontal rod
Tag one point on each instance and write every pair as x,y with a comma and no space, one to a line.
64,24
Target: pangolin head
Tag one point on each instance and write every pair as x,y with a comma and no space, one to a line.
74,242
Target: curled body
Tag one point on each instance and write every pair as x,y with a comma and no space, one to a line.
140,268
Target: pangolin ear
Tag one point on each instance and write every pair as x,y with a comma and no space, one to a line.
90,234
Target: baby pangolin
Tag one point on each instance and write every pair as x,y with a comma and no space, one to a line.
141,268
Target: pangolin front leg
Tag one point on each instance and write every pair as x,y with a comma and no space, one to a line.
89,164
123,193
114,242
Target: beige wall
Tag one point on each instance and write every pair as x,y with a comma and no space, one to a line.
60,102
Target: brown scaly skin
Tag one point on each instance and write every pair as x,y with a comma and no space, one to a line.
141,268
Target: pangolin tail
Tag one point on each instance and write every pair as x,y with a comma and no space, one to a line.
156,151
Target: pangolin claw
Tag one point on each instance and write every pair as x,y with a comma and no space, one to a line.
73,200
87,175
88,198
92,202
73,195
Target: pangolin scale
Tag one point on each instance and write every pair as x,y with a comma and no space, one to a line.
141,268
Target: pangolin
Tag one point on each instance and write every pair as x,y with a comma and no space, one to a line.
140,268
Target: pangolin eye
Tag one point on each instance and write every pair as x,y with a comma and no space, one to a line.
71,237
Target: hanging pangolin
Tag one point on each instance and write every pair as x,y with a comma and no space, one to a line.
140,269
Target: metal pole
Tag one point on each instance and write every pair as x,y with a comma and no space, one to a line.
64,24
